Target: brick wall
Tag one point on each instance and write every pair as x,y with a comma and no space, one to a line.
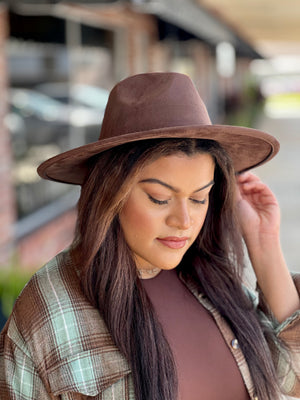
7,213
40,246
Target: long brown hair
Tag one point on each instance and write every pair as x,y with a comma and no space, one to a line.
214,263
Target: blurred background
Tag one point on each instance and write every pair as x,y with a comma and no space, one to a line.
58,61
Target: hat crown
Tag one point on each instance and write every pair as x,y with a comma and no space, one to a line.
159,105
145,102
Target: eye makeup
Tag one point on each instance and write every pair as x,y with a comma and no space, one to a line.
156,201
162,202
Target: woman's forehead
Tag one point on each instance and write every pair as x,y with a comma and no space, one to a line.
179,169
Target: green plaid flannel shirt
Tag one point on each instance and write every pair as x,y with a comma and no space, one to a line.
56,346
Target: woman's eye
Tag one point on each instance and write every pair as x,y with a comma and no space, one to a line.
156,201
198,201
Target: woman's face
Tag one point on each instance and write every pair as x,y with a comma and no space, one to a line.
166,209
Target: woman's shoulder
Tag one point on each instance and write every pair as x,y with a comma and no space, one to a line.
52,315
55,330
51,288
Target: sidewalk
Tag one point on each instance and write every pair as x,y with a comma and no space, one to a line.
282,174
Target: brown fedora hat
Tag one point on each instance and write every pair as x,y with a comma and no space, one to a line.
159,105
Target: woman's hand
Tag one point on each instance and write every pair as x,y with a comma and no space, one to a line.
259,218
258,211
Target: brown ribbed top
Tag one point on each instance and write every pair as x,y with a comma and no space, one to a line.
205,366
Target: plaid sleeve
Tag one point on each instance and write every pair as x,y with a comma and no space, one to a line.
19,379
55,345
286,357
289,367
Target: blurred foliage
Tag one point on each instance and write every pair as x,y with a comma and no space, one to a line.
12,280
243,108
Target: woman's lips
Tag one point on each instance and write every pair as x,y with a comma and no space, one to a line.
173,242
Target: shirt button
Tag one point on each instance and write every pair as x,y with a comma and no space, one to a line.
235,345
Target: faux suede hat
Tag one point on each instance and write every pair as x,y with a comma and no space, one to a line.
159,105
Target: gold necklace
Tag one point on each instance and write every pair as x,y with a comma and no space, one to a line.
148,273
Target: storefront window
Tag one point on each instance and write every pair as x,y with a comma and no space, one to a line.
56,101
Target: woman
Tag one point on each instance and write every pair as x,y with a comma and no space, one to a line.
148,303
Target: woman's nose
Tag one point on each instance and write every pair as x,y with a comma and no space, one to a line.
179,216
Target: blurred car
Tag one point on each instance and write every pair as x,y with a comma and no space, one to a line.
37,119
91,96
87,103
80,94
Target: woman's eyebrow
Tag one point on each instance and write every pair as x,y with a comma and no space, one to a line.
211,183
159,182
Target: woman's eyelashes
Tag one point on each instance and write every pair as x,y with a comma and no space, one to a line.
198,201
156,201
161,202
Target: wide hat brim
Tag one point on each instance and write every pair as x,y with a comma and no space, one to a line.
248,148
